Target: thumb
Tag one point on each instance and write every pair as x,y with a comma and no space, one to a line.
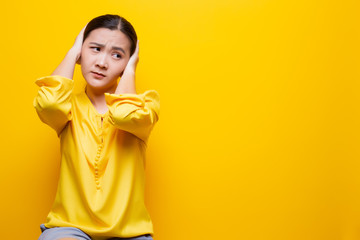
78,61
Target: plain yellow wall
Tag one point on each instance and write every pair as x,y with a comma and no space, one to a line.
259,131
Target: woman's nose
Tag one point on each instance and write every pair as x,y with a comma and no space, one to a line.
102,61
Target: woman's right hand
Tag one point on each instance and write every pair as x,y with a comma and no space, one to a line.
78,45
67,66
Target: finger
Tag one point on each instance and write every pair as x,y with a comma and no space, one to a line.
82,32
79,61
135,55
84,27
137,48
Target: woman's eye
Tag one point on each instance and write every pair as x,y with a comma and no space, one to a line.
117,55
95,48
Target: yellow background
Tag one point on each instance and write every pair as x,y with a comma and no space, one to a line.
259,132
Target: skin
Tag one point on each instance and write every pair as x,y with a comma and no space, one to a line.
104,60
112,63
98,55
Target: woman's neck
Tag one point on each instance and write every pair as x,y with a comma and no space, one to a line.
97,97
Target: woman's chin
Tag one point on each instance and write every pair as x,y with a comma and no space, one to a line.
97,86
93,84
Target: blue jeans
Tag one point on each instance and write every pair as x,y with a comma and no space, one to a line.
71,232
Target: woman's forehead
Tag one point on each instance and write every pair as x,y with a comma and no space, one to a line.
108,36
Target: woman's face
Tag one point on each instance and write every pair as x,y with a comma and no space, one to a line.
105,52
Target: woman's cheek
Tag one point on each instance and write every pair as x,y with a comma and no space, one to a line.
122,66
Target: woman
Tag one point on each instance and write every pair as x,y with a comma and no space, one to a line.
103,134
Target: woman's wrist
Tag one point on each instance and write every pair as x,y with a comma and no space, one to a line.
126,84
74,54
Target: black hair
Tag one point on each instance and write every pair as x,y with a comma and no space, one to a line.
113,22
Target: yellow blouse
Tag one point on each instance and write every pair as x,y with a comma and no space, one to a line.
101,183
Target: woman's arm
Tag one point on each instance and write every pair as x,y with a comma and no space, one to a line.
53,100
67,66
131,112
127,81
134,113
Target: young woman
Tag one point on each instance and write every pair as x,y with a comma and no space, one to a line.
103,134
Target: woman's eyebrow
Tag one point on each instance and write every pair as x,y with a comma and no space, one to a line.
101,45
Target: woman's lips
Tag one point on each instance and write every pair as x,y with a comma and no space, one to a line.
97,75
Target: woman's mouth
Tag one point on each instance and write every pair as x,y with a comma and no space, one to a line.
98,75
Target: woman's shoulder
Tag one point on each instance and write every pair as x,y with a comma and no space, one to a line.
151,95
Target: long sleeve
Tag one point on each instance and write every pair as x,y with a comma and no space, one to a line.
134,113
53,101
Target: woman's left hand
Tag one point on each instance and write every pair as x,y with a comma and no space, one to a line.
127,81
133,61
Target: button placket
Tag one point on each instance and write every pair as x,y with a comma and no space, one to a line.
96,166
